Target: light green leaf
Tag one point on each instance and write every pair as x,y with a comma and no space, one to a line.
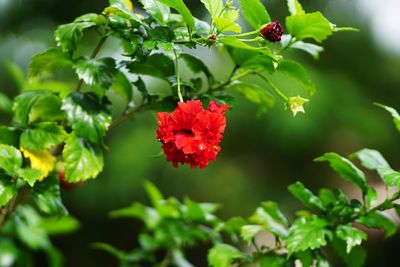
351,235
307,233
269,223
371,197
394,113
180,6
347,170
30,175
226,22
10,159
297,72
154,193
215,7
305,196
7,190
258,63
390,176
249,232
312,49
223,255
49,61
255,13
59,225
255,94
109,249
371,159
157,10
43,136
16,73
82,160
295,7
125,5
380,220
272,209
311,25
5,104
88,116
47,197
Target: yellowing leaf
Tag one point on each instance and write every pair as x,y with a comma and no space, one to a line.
128,3
42,160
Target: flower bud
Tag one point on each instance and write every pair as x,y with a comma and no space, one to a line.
272,32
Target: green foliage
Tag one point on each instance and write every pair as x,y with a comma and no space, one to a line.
255,13
43,136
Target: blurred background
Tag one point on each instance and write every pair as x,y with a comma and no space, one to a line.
260,155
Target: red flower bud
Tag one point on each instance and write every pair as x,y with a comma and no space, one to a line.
272,32
191,134
213,38
64,184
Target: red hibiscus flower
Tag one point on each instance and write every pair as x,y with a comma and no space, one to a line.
191,134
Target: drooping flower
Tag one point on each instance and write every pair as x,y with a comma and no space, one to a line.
273,31
191,134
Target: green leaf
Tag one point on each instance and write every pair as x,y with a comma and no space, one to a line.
347,170
82,160
9,253
394,113
97,73
233,225
371,159
305,196
226,22
256,95
272,209
157,10
122,86
68,35
43,136
273,261
307,233
196,65
7,190
255,13
156,65
47,197
295,7
10,159
371,197
258,63
180,6
312,49
380,220
311,25
297,72
49,61
215,7
351,235
16,73
9,136
152,191
249,232
223,255
31,106
109,249
269,223
29,175
356,258
125,5
5,104
390,176
59,225
87,115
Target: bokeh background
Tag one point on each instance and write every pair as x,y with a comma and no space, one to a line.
261,155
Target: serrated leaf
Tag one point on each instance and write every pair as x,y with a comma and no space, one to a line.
395,115
48,198
29,175
157,10
347,170
351,235
305,196
10,159
297,72
214,7
97,73
87,115
255,13
180,6
31,106
48,61
7,190
255,94
307,233
43,161
371,159
43,136
379,220
269,223
223,255
295,7
82,160
311,25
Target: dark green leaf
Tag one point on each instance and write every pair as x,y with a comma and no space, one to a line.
256,95
297,72
157,10
7,190
161,34
82,160
10,159
311,25
156,65
380,220
43,136
394,113
9,136
87,115
255,13
327,197
5,104
305,196
9,253
47,197
110,249
307,233
273,261
48,61
351,235
180,6
258,63
356,258
223,255
345,169
196,65
122,86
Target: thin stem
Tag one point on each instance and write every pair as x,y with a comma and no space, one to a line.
251,40
246,34
93,55
126,114
277,91
178,79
